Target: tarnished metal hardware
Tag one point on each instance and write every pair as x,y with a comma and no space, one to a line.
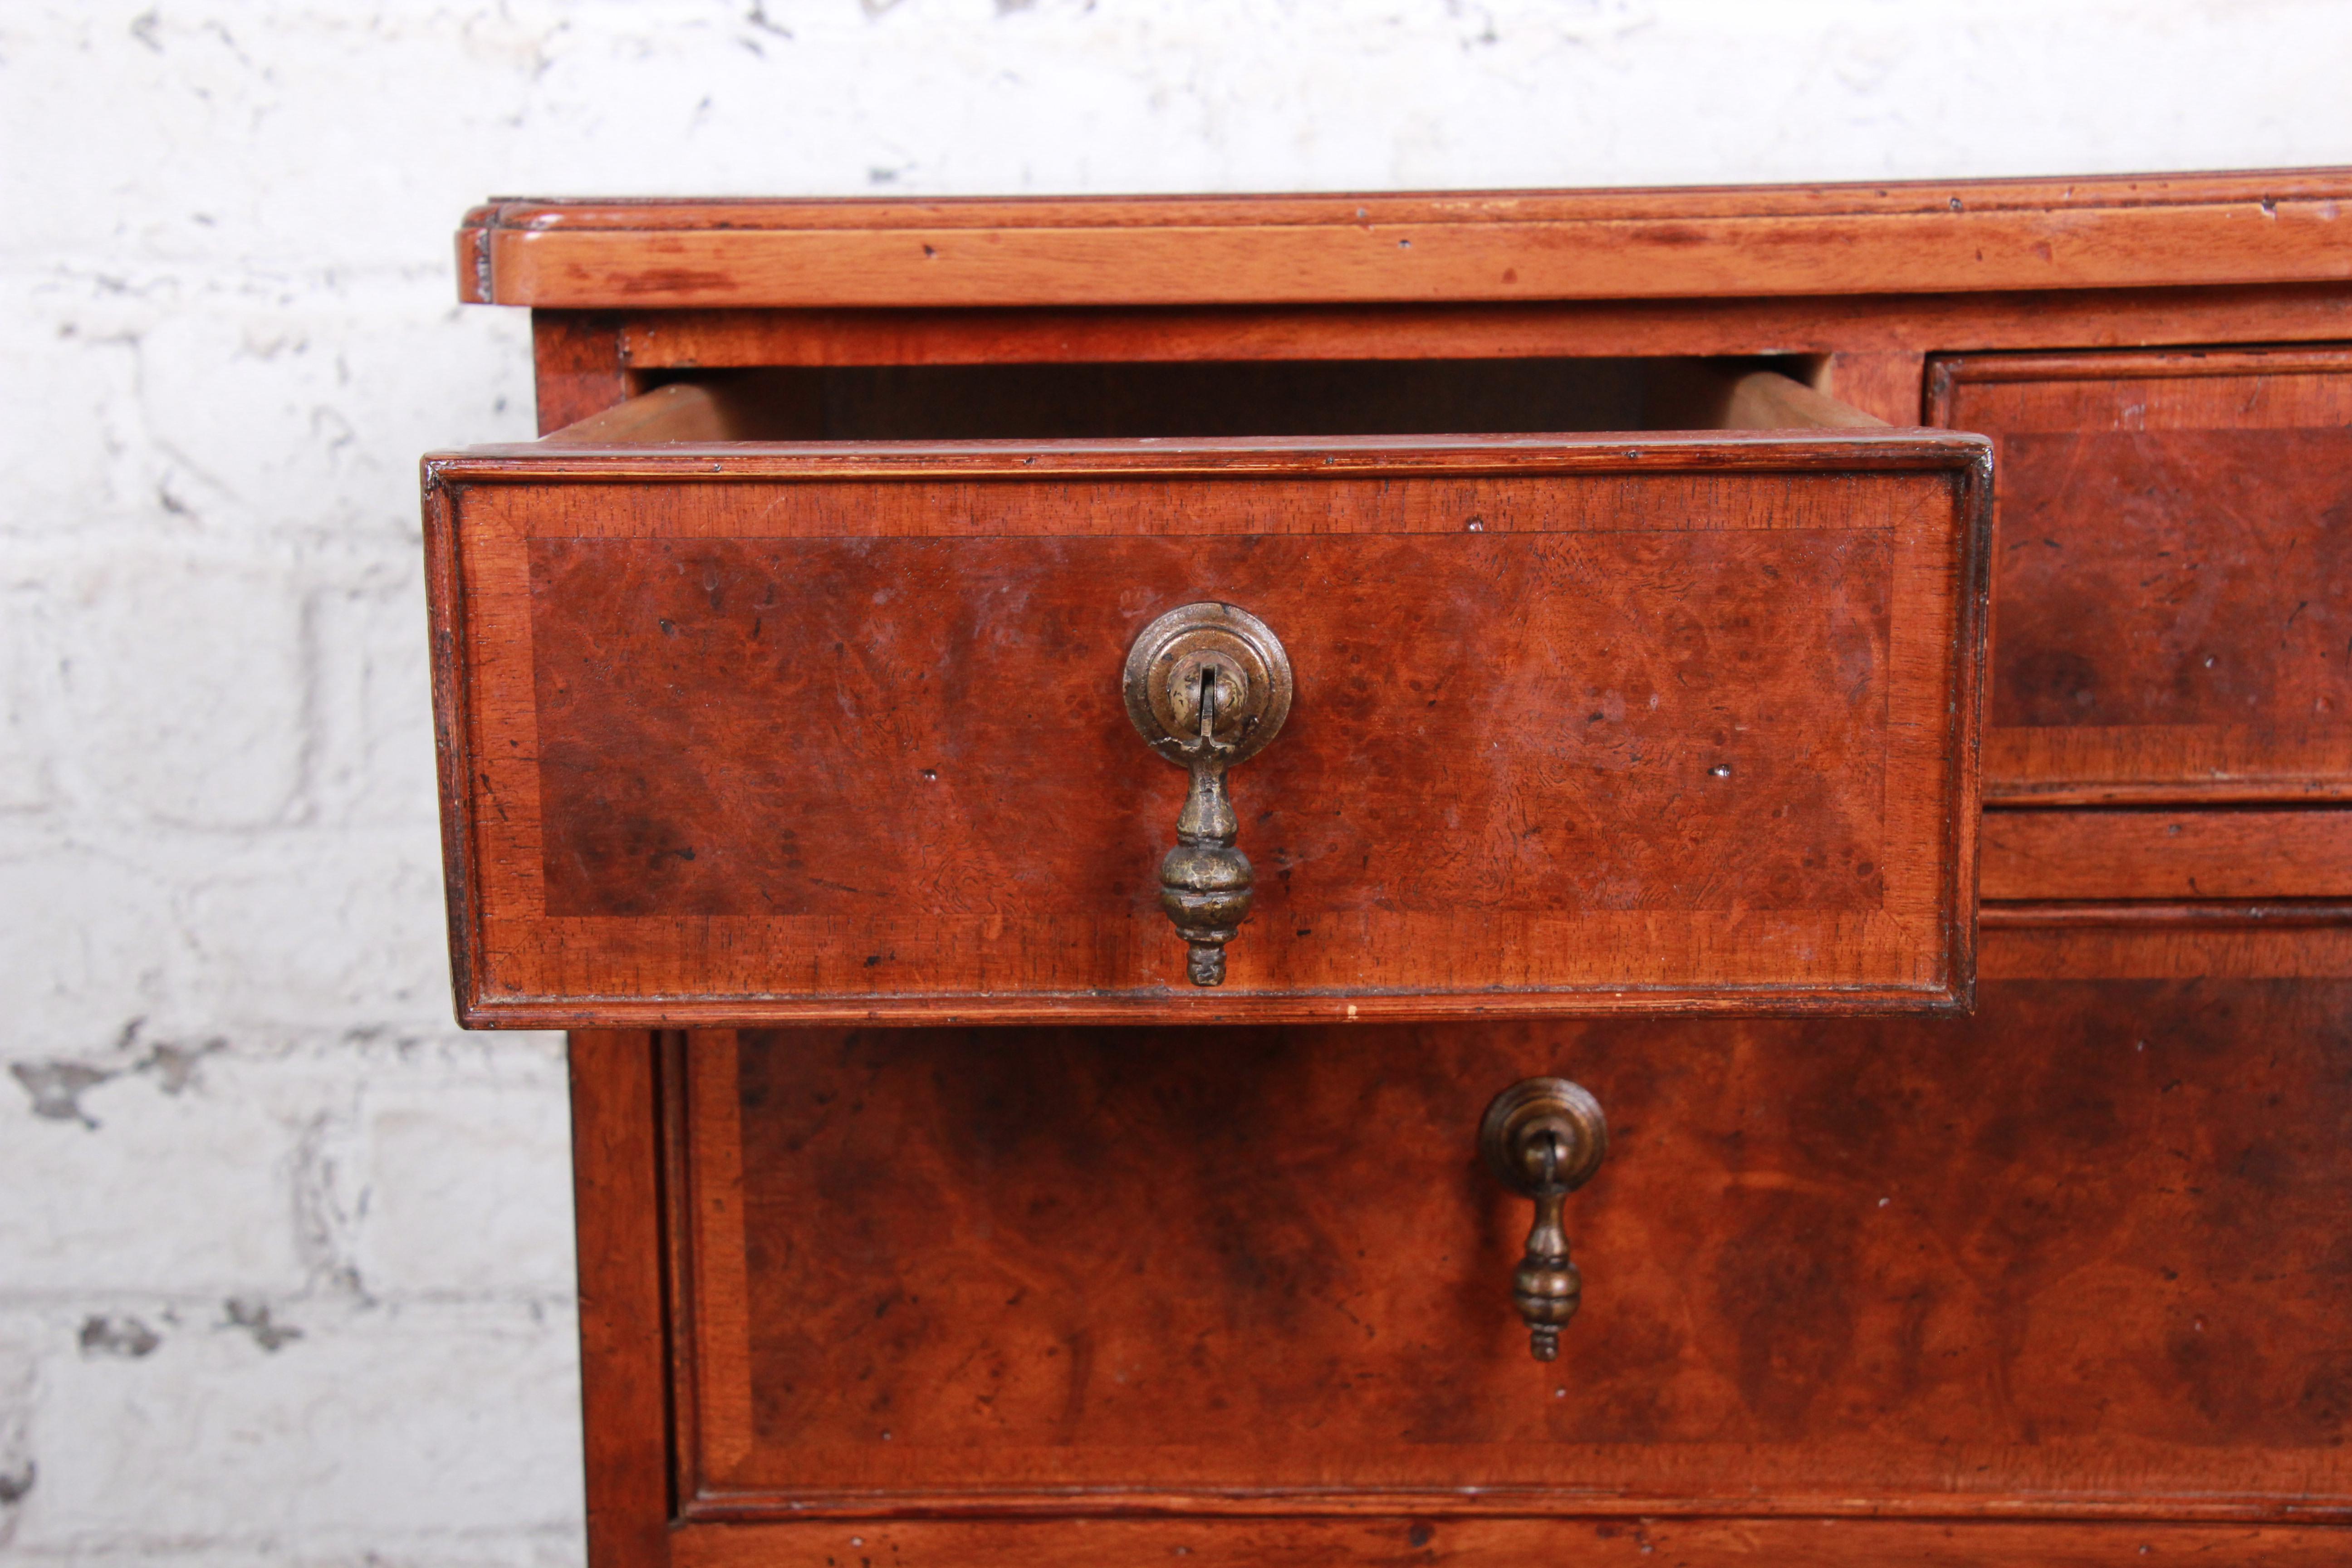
1544,1138
1207,686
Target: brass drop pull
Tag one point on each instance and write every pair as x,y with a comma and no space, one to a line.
1544,1138
1207,686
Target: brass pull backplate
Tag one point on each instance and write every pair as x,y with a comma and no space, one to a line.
1207,685
1543,1138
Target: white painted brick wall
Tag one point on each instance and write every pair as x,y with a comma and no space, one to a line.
284,1258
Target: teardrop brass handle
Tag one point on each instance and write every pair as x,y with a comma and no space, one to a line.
1207,686
1544,1138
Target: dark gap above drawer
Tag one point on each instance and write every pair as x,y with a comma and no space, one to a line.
1282,397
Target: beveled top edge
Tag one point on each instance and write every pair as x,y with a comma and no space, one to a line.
1347,208
1694,242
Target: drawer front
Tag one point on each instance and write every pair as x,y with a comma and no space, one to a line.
2081,1256
2173,581
2230,853
748,734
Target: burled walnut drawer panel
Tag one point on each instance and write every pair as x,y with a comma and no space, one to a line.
2172,587
757,732
2080,1255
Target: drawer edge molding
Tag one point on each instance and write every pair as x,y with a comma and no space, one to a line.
1877,449
1185,1008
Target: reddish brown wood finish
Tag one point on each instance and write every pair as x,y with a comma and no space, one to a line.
618,1235
2211,912
2160,941
635,666
625,1360
2226,854
582,367
1502,1543
2066,1258
2173,611
2071,1358
1580,726
1885,323
2111,233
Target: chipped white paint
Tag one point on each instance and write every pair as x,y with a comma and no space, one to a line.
284,1259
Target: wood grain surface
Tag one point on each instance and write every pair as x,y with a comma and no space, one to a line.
2079,1255
2106,233
2160,941
617,1152
2172,620
1498,1544
733,734
580,365
946,764
2061,1283
1895,323
2215,853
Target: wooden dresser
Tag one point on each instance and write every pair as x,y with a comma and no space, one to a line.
1110,788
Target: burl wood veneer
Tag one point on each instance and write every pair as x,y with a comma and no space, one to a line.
2176,577
1821,1255
836,733
755,716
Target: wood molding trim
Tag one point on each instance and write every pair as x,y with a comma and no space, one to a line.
1928,237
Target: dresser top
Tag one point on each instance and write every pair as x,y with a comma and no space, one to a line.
2114,231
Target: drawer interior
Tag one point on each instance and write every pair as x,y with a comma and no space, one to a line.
1194,399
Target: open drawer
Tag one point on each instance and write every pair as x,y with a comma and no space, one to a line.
738,730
